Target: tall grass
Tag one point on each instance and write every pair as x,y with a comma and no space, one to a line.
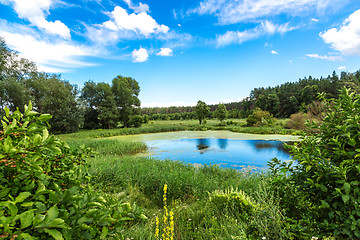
109,147
146,128
116,171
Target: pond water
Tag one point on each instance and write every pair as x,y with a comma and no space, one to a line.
231,153
228,149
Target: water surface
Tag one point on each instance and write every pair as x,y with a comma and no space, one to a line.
231,153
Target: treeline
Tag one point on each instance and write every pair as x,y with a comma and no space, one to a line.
281,101
97,105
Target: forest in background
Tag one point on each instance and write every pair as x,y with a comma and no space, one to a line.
103,105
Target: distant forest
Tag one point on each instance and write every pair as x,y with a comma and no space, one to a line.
104,105
281,101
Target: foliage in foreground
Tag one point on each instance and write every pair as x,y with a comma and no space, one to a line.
321,192
43,187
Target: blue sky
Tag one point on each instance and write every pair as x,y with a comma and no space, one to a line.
184,51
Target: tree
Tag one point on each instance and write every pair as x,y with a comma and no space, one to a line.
57,97
108,113
202,110
221,112
13,71
126,91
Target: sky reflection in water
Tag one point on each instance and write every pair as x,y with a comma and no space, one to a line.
225,152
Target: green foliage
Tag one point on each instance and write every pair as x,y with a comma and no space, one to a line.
232,201
126,91
44,191
136,121
260,118
221,112
202,110
326,176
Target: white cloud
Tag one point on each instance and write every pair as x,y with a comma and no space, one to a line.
165,52
234,11
274,52
35,11
137,9
342,67
49,54
141,23
238,37
140,55
325,57
346,39
314,20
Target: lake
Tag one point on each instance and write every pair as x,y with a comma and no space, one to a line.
227,149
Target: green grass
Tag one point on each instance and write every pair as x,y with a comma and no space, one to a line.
237,125
116,171
145,128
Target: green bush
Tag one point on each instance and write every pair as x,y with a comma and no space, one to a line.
44,192
136,121
233,202
260,118
325,179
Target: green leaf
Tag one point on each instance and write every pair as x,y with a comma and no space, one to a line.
22,196
7,112
45,134
4,192
347,187
54,233
52,213
27,204
26,218
104,232
58,223
37,140
83,220
345,198
13,209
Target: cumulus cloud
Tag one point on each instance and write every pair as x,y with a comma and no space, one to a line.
325,57
35,11
141,8
346,39
165,52
141,23
49,54
238,37
274,52
140,55
342,67
234,11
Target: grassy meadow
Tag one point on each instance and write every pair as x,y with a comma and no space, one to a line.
198,203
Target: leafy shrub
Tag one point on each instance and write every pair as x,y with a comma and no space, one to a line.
296,121
326,176
259,118
136,121
233,202
43,186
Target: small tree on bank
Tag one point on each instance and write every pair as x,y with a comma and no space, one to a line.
202,110
221,113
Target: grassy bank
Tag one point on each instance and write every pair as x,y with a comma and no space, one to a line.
205,202
238,125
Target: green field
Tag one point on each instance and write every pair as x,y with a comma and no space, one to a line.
192,192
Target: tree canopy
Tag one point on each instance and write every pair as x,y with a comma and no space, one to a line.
202,110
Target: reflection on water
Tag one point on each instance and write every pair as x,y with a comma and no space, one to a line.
203,145
223,143
225,152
